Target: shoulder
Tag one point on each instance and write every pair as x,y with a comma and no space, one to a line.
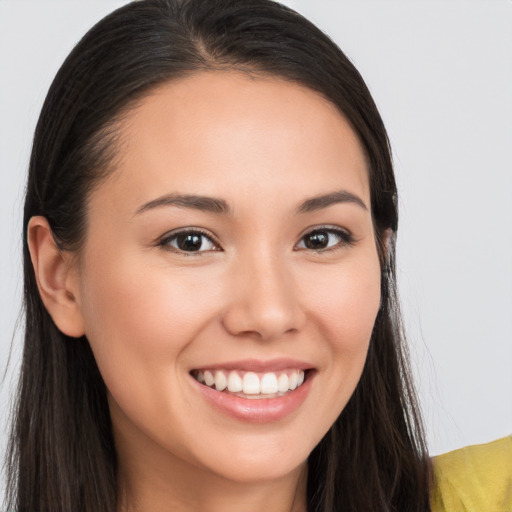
474,479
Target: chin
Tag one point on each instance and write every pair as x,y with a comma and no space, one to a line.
263,469
258,460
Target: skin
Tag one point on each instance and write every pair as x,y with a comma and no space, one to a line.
153,313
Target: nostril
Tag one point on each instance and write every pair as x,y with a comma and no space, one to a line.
262,322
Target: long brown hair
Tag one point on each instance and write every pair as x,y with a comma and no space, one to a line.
62,456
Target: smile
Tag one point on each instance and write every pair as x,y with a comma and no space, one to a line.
249,384
255,391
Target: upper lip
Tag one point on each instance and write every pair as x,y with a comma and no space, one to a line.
257,365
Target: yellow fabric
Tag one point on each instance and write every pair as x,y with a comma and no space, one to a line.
474,479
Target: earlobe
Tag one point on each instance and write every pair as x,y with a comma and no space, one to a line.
56,278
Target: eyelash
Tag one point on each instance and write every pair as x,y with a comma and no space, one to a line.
165,242
345,239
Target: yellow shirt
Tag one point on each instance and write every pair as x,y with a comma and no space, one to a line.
474,479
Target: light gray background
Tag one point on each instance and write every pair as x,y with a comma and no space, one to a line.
441,74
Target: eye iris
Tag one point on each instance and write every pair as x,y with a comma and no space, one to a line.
317,240
189,242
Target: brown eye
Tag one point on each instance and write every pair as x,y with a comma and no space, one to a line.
317,240
189,241
323,239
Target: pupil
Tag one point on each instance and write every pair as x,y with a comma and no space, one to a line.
317,240
189,242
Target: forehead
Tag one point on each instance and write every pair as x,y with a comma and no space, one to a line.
215,133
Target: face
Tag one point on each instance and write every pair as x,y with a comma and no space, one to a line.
232,246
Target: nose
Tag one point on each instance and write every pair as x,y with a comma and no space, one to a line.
263,300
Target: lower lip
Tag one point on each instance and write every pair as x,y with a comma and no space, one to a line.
260,410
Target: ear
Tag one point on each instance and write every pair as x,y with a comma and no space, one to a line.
56,278
385,245
386,240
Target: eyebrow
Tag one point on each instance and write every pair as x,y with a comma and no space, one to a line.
220,206
202,203
325,200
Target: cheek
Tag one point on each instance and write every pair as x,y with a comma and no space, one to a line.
136,319
343,301
132,296
346,302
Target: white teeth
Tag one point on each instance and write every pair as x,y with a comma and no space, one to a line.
293,381
269,384
234,382
208,378
251,384
283,383
221,382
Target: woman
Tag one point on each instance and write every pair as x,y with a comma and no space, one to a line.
209,268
